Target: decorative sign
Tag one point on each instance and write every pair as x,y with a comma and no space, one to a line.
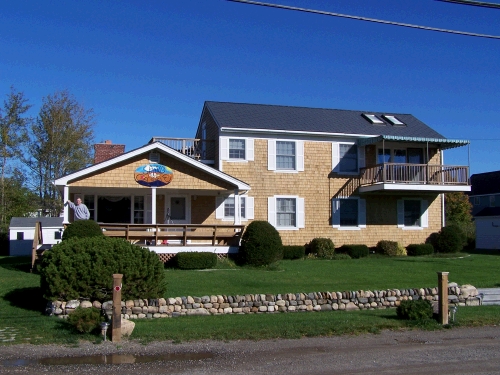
118,288
153,175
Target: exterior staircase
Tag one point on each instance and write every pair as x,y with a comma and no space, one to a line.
491,296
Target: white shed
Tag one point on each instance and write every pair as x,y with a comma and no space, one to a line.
488,228
22,232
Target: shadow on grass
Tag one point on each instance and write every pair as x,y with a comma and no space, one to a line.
22,264
483,252
27,298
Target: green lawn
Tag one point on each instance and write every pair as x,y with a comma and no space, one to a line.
22,319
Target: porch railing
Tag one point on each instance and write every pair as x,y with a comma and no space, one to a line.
176,234
192,147
415,174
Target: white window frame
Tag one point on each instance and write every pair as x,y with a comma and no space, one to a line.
299,214
249,207
424,214
249,149
299,156
336,157
361,214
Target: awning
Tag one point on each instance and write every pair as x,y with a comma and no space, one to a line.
442,143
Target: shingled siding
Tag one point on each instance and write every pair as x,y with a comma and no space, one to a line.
317,185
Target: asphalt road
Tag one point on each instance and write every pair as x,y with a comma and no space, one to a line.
448,351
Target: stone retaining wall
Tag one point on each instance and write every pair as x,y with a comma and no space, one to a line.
465,295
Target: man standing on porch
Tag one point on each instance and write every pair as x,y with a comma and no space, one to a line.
81,211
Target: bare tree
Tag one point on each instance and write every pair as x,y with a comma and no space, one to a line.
13,135
61,142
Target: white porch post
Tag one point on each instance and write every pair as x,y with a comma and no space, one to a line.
153,205
66,207
237,209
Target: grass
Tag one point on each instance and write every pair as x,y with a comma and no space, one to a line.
22,319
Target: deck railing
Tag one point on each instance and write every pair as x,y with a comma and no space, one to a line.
192,147
415,174
176,234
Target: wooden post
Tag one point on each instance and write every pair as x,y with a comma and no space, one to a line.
116,321
443,297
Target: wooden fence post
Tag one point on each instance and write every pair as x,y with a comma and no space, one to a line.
116,321
443,297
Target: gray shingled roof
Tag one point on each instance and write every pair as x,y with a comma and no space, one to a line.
275,117
29,222
485,183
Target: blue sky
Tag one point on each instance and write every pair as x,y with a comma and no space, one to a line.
146,67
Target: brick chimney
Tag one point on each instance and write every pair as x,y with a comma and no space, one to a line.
107,150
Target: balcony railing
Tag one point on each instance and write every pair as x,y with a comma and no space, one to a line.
176,234
415,174
192,147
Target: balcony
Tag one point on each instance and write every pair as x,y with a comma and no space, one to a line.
192,147
416,177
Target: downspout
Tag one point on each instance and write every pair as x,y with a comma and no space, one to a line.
66,208
443,216
237,205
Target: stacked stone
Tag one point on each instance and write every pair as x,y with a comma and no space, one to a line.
271,303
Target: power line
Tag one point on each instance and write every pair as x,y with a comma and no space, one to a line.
365,19
473,3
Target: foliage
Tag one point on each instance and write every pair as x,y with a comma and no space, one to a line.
457,208
420,309
260,244
390,248
13,135
61,141
82,229
420,249
195,260
84,268
294,252
451,239
322,248
354,251
341,257
85,320
19,201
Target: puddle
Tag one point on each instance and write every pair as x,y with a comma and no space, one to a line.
111,359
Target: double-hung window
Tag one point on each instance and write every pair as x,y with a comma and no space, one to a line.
285,155
348,213
412,213
286,212
236,149
226,207
347,158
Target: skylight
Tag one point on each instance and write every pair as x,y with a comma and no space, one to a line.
393,120
373,119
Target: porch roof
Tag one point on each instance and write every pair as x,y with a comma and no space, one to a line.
442,142
157,146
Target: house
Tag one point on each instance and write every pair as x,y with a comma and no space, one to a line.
353,176
485,191
22,233
487,223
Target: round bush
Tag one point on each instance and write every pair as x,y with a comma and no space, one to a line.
260,244
82,229
86,320
354,251
390,248
450,240
420,309
420,249
322,248
84,267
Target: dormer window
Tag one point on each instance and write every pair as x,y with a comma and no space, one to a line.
393,120
373,119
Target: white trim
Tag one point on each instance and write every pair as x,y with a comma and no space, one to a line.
249,208
414,187
299,155
66,180
424,213
299,212
335,205
297,132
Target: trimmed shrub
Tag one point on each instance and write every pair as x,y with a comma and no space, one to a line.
84,267
82,229
322,248
85,320
195,260
341,257
294,252
420,249
354,251
260,244
451,239
390,248
415,309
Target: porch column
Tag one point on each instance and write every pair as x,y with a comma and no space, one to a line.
237,207
153,205
66,207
